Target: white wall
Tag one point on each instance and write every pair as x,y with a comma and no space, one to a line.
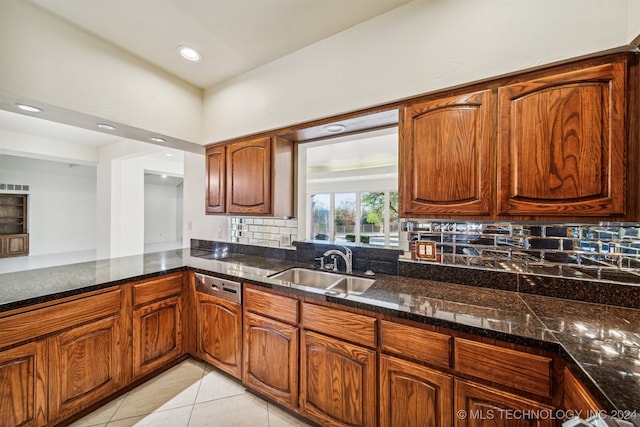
161,213
197,225
61,203
420,47
633,30
43,58
121,204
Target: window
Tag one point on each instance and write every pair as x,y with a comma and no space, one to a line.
349,188
334,217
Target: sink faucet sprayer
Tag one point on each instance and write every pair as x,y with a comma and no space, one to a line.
347,256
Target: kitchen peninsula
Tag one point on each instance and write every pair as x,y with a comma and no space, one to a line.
553,331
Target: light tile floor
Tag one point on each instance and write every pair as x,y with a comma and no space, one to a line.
190,394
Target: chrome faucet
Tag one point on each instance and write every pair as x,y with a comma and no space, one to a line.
347,256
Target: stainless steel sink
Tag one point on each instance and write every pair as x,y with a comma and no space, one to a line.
352,285
333,282
305,277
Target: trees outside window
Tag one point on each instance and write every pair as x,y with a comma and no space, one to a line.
363,217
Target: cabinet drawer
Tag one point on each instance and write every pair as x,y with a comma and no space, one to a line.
156,289
40,322
271,305
340,324
416,343
512,368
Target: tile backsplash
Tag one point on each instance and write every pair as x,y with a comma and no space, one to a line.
609,251
270,232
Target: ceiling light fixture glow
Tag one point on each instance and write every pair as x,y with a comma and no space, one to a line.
189,53
29,108
158,139
334,128
106,126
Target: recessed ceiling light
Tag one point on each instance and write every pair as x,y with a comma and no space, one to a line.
334,128
29,108
164,176
189,53
158,139
106,126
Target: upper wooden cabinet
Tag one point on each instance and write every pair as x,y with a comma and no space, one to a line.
445,156
242,176
561,144
560,149
216,179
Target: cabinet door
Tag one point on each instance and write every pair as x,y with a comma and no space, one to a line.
216,179
445,156
479,406
562,144
412,395
157,335
84,367
17,244
249,177
219,334
22,386
270,358
337,381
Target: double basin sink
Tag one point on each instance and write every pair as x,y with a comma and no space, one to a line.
324,280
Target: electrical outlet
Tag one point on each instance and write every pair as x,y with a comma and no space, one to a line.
426,250
285,240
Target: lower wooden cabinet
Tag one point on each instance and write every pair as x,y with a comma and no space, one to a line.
219,333
337,381
157,323
412,395
270,358
23,386
480,406
157,334
14,245
84,366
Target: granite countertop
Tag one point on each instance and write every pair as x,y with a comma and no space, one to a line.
603,341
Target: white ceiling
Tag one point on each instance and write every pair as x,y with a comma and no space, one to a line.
234,36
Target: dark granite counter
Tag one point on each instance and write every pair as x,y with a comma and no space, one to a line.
602,341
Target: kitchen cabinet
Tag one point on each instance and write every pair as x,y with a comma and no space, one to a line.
413,395
60,358
157,323
561,148
219,333
85,365
270,345
14,240
337,381
479,406
446,156
14,245
23,385
338,373
216,179
576,397
250,177
530,373
271,358
561,144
